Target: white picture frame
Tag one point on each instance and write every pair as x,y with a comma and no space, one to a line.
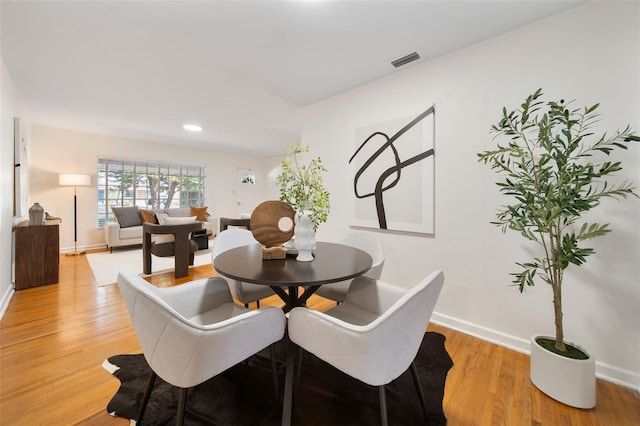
20,170
393,174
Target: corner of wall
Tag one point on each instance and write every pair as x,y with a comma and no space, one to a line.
4,301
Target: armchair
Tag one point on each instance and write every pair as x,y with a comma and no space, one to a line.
194,331
226,222
374,335
182,247
241,291
366,241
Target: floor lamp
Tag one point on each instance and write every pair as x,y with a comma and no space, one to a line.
75,181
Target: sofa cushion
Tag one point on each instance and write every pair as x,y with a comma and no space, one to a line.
127,216
148,216
178,212
165,219
199,212
131,232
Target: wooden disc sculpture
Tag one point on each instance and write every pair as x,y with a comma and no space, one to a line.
272,224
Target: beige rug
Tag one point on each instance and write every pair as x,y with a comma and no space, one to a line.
105,266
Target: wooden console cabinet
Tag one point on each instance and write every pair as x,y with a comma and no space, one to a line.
37,254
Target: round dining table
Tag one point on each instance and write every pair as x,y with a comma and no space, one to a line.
331,263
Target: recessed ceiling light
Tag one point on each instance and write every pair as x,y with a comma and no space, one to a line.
192,127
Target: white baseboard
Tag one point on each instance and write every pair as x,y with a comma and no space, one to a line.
83,248
4,302
604,371
514,343
619,376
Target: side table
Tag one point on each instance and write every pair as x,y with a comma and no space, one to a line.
201,238
37,254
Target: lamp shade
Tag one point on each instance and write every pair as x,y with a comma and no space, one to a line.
74,180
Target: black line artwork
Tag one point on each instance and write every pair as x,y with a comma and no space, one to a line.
394,172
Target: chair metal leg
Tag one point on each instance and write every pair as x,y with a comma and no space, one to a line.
145,397
298,373
383,405
182,403
287,404
274,371
416,382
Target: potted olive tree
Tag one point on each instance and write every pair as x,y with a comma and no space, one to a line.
553,168
301,186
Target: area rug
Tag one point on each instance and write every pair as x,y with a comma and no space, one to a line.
106,266
243,395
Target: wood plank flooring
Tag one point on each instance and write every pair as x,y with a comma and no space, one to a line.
53,340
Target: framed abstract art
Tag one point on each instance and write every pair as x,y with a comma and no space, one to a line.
393,180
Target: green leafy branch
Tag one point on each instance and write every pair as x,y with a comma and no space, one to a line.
549,171
301,185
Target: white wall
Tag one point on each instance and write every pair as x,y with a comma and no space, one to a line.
590,54
11,106
57,151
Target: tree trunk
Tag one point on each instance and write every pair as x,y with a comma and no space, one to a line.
153,192
555,278
557,309
170,193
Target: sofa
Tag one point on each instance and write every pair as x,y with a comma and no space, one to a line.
126,230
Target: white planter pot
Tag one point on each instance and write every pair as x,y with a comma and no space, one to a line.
570,381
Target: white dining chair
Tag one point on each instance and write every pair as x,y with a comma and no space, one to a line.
365,241
243,292
192,332
374,335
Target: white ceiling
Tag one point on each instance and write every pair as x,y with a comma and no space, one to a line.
241,69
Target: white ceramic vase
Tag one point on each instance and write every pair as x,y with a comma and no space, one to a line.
570,381
305,237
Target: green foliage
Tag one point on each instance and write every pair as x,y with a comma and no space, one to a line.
301,185
549,170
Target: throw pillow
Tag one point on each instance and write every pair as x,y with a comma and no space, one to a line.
178,211
127,216
200,213
165,219
148,216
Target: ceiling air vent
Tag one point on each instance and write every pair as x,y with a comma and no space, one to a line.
405,60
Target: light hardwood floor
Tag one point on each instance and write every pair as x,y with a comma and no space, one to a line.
55,338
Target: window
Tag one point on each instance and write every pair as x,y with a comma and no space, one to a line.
148,185
248,178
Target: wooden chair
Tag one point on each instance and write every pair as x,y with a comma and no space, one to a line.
183,247
226,222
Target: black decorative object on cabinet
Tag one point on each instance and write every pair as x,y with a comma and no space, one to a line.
36,214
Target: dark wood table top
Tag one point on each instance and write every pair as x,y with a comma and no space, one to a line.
332,263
